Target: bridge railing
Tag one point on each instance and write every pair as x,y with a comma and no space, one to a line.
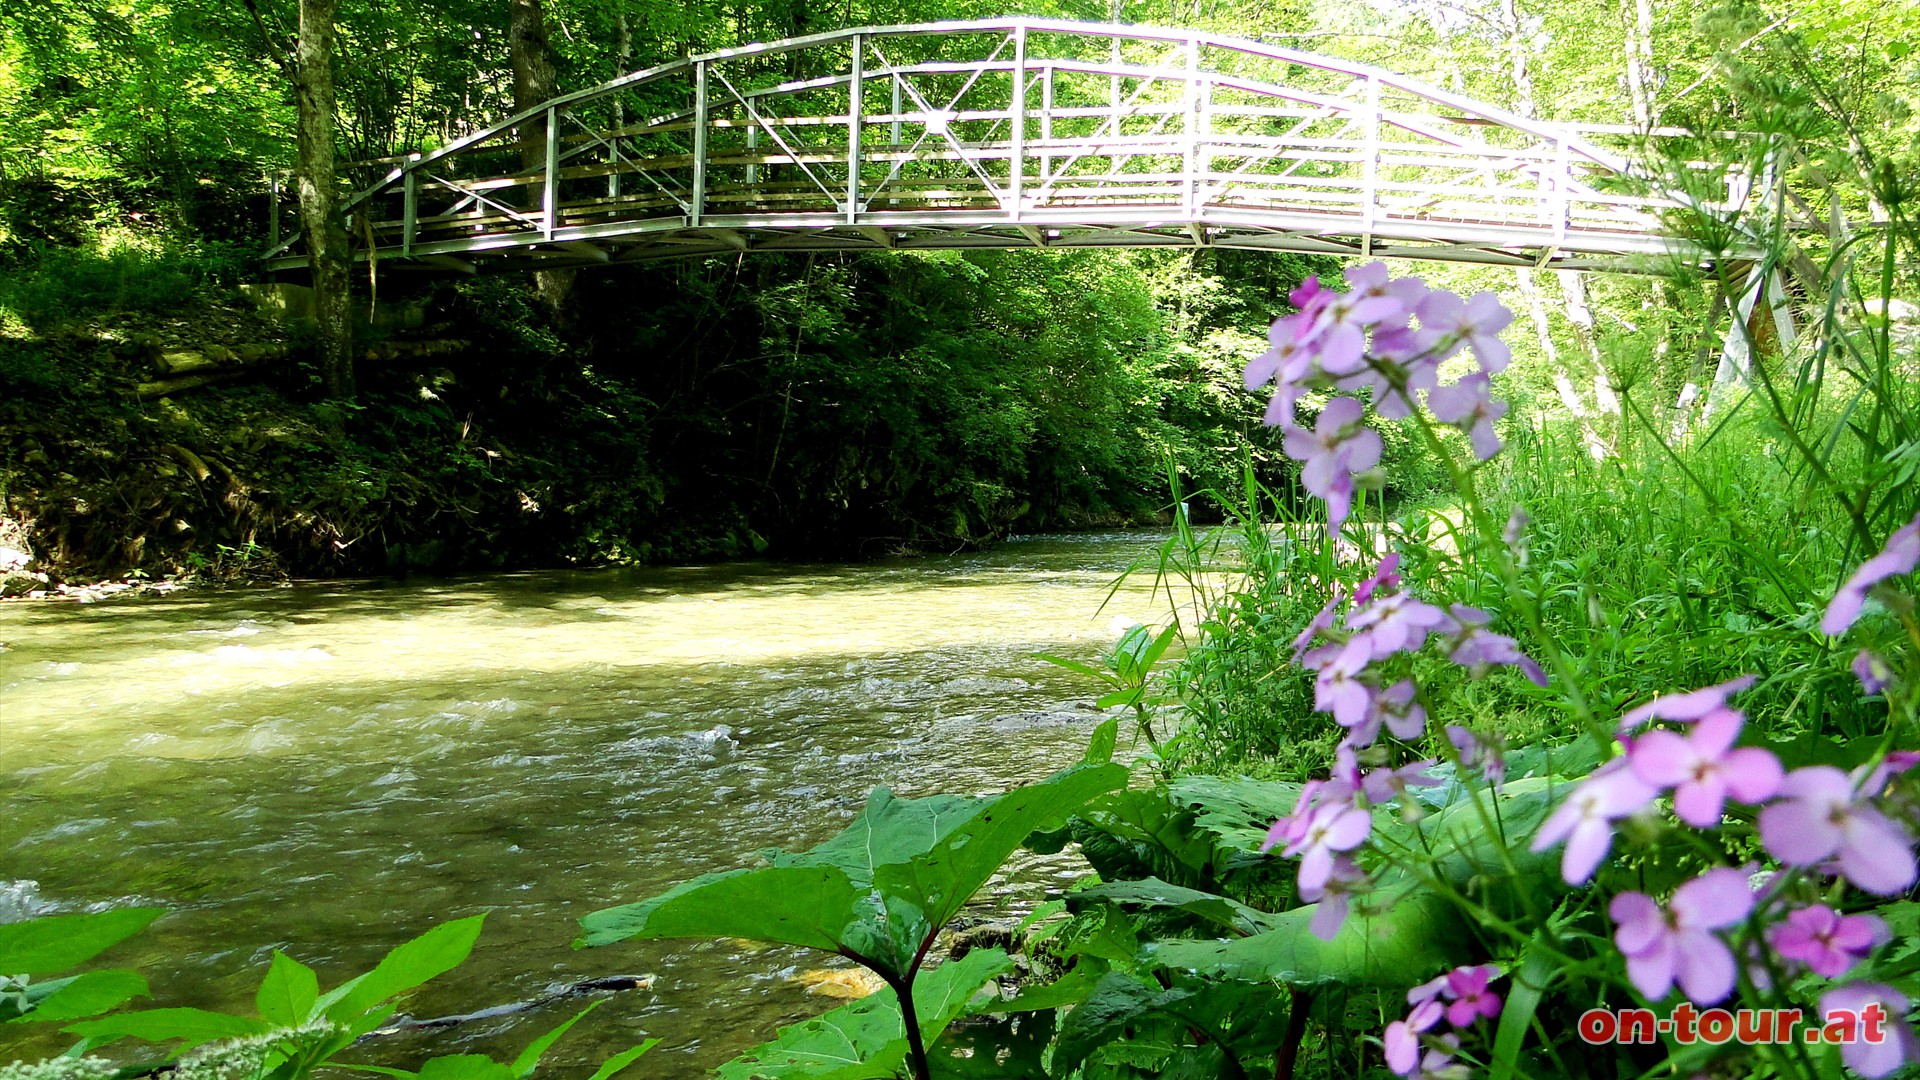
1011,130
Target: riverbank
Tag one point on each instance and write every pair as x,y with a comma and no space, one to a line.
789,407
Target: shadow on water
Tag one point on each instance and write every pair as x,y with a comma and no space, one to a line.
330,769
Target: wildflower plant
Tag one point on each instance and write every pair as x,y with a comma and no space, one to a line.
1675,851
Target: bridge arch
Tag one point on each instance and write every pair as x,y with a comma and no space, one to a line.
1013,132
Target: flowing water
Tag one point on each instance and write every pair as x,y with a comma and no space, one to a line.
330,769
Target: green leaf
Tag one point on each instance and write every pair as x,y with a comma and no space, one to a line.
1118,1003
1237,811
877,891
1100,745
1523,998
465,1067
56,943
615,1064
1418,934
289,992
1075,666
1124,696
1069,989
163,1025
796,905
432,954
530,1057
866,1039
1155,893
78,996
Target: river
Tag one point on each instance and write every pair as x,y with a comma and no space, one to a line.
328,769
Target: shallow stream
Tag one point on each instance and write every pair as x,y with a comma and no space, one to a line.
330,769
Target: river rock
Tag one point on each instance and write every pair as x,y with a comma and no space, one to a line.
19,582
12,558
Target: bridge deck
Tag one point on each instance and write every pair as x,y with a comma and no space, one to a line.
1018,133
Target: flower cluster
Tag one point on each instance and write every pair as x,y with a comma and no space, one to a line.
1351,654
1462,998
1817,820
1724,928
1387,336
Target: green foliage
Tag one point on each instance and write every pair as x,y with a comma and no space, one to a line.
297,1025
50,945
64,284
867,1038
481,1067
877,893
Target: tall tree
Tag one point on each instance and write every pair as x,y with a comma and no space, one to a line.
535,81
327,245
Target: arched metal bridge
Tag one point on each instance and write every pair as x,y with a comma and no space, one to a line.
1014,133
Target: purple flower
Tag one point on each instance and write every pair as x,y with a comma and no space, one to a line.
1383,784
1827,942
1336,448
1469,405
1402,367
1339,690
1340,323
1818,817
1873,782
1325,823
1331,898
1475,647
1585,820
1900,556
1680,943
1397,623
1476,323
1471,998
1868,1009
1402,1039
1691,705
1385,577
1399,706
1515,531
1703,769
1483,752
1433,988
1319,623
1286,363
1378,298
1873,672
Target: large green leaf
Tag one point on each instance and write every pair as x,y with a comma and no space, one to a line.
797,905
164,1025
1154,893
618,1063
74,997
58,942
1238,811
1069,989
879,890
1237,1019
1479,835
428,956
529,1058
1417,934
866,1039
1117,1003
1138,833
289,992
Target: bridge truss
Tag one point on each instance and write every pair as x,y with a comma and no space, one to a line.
1009,133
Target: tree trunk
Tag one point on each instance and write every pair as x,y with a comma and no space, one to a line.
1510,18
535,81
328,253
1639,27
